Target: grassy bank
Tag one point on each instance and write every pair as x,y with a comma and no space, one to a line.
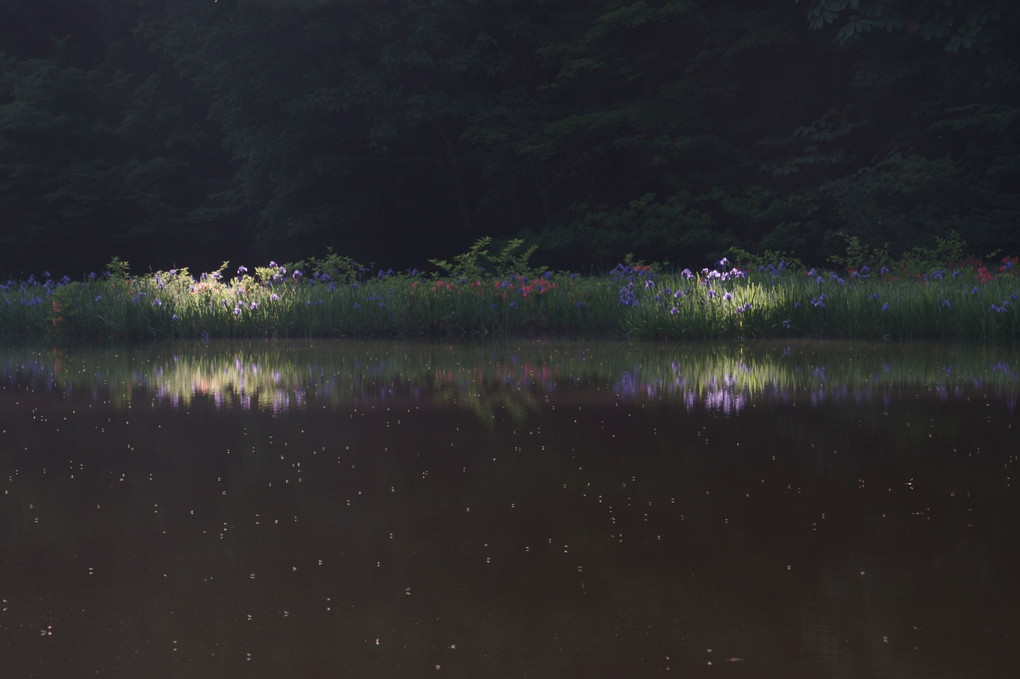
333,297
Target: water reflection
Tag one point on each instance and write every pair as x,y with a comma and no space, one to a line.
723,378
336,509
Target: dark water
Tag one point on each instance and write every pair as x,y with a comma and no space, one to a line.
610,510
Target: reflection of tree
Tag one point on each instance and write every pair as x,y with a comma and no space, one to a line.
725,378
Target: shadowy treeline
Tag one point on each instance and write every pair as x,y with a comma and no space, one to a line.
190,132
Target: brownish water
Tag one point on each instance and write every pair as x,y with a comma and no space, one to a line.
337,509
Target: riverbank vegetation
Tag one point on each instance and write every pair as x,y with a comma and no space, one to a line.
496,292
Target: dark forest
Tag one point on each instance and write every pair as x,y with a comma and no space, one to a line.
191,132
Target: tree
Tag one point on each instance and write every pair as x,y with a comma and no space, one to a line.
923,138
644,126
101,154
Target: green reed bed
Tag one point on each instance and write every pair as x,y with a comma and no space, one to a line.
952,302
632,300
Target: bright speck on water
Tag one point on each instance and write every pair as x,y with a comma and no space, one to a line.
647,508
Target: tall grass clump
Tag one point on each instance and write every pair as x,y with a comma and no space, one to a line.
490,292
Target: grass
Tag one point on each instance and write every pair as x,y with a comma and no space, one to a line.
333,297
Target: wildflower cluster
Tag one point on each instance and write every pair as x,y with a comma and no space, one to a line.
963,299
967,299
953,301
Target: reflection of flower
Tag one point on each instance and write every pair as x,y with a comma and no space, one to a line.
706,378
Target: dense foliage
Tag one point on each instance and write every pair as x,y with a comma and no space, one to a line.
486,293
203,130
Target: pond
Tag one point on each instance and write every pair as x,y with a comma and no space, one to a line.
344,509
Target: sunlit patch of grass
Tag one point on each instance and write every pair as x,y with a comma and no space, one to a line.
969,300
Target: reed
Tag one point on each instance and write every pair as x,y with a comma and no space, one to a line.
966,300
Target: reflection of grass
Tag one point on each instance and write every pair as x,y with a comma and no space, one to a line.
965,301
513,379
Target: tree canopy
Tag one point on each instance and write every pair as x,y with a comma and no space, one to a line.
197,131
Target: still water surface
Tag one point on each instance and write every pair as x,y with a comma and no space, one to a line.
336,509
